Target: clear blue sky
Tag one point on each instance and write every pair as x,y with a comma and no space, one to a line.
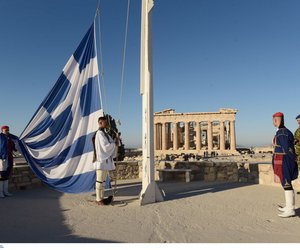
243,54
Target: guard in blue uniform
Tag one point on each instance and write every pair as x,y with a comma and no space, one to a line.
285,163
7,146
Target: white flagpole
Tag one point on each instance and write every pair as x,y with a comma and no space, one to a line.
150,191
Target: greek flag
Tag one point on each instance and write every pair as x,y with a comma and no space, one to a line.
57,142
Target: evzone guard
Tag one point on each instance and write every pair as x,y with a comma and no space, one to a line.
105,150
7,146
284,164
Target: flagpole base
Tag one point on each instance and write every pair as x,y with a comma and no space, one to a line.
152,194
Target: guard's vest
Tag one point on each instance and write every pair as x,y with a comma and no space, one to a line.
93,140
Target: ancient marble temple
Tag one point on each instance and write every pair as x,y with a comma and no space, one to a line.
196,133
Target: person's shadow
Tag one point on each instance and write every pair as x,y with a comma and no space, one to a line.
36,216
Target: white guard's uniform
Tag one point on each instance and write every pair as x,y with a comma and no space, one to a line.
106,150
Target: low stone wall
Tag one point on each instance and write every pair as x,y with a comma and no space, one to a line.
23,177
254,173
261,173
127,170
266,176
206,171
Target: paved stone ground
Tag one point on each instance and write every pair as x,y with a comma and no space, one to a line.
193,212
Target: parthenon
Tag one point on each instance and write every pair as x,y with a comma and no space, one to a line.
195,133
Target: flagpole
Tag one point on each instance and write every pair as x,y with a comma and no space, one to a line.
150,191
96,51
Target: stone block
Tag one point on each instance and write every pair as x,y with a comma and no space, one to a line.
253,167
210,177
235,170
265,167
213,170
233,178
16,175
243,179
266,179
36,180
221,176
25,179
207,164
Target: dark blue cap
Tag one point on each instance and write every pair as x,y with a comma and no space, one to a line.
298,117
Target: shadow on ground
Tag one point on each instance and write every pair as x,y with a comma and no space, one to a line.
180,190
185,190
35,216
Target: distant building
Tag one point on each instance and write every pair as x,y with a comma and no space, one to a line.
176,133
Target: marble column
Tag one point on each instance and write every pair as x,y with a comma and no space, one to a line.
175,136
198,136
158,140
209,136
158,136
164,137
222,135
232,136
169,135
155,136
186,136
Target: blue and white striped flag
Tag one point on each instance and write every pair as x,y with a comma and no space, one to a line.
57,142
